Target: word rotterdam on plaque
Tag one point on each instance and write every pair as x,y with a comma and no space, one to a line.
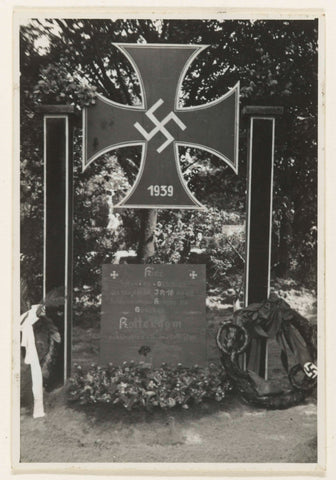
154,314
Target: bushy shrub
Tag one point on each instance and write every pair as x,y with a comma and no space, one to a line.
303,266
177,234
135,385
225,260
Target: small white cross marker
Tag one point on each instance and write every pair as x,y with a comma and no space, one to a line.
193,274
114,274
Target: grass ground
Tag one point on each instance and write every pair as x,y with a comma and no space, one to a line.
227,433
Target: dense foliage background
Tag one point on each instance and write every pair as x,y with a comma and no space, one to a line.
68,61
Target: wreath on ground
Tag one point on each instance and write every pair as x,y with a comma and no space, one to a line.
273,318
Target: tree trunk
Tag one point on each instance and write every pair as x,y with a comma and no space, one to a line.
146,247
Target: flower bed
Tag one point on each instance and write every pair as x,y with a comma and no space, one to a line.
139,386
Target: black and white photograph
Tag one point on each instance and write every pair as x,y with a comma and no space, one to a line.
170,257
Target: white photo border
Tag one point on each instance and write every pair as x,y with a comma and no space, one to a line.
199,469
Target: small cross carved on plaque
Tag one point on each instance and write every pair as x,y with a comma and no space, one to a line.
114,275
193,274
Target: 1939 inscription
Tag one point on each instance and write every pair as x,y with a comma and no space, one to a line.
153,313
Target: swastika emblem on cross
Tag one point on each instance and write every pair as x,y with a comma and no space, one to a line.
160,126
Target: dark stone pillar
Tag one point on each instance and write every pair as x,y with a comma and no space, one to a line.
58,222
259,220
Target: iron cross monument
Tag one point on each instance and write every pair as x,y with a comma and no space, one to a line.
160,125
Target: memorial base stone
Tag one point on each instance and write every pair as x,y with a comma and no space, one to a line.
154,314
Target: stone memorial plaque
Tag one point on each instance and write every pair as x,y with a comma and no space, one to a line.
153,313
